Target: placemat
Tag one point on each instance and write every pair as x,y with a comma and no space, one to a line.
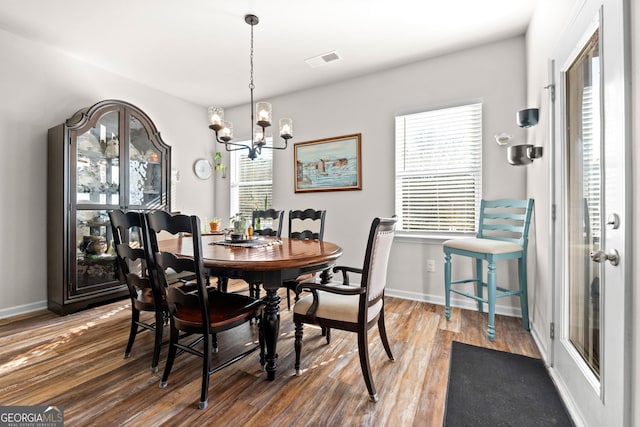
258,243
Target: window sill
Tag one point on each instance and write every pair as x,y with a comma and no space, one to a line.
428,239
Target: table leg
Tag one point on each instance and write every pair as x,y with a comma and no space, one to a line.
326,276
271,328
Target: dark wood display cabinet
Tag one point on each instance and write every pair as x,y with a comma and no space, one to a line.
107,156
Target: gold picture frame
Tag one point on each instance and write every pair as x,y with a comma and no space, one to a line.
330,164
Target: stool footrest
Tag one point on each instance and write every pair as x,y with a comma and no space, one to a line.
500,292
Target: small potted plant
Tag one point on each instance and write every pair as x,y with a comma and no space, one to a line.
214,225
239,223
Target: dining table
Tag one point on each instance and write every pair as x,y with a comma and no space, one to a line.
266,260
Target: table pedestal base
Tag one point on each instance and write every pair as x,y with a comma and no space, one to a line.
271,330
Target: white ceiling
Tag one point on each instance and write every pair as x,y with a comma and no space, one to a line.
199,49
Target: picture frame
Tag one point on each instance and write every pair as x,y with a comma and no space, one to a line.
330,164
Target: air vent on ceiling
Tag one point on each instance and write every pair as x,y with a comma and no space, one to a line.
324,59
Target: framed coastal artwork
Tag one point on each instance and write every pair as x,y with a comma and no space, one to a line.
330,164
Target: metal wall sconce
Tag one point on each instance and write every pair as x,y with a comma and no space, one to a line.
527,118
524,154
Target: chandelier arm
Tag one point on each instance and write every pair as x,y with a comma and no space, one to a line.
233,144
273,147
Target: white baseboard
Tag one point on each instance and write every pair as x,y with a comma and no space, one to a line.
466,303
22,309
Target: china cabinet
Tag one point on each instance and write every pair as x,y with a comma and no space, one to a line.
107,156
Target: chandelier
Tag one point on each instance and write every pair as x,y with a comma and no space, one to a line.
224,129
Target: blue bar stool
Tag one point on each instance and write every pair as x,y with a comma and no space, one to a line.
502,235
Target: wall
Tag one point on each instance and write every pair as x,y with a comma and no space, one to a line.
493,73
40,89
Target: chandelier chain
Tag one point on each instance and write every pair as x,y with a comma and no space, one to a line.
251,87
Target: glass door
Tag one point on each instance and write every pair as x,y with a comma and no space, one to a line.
97,190
145,168
584,198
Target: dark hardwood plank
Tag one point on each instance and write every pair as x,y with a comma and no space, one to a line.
77,361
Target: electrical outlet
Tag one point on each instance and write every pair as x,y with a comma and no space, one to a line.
431,266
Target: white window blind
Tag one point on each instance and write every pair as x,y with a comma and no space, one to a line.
251,181
439,169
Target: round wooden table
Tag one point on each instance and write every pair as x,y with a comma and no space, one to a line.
279,260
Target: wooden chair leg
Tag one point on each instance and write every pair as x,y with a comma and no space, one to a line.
383,335
447,285
206,368
263,360
288,299
214,343
133,331
298,346
173,339
157,341
363,352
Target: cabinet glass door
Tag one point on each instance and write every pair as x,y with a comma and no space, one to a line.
98,162
95,253
145,168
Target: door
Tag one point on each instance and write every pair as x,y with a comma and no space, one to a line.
592,311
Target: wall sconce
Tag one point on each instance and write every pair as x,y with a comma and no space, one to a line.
524,154
527,118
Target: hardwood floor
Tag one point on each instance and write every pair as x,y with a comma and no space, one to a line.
77,362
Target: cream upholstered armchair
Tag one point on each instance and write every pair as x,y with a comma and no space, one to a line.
351,307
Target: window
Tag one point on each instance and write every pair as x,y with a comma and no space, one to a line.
439,169
251,181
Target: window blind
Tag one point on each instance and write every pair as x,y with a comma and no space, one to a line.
252,182
439,169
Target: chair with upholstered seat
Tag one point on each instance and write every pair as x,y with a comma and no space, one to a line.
352,307
305,224
145,294
503,230
205,312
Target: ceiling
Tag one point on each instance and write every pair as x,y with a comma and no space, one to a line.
198,50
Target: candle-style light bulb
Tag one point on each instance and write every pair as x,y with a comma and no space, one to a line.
263,110
226,133
216,117
286,128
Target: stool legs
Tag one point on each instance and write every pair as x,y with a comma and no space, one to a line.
479,291
447,285
491,288
524,298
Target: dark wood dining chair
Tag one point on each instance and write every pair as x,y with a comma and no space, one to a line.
145,293
352,307
267,222
305,224
203,313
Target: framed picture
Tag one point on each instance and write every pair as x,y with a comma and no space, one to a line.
330,164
